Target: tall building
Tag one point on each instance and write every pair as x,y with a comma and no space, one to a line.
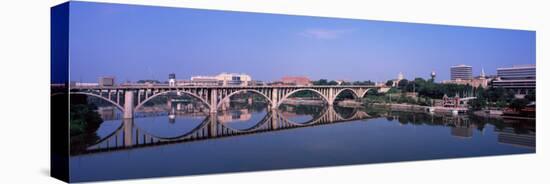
521,79
461,72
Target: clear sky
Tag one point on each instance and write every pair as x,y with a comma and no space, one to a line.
143,42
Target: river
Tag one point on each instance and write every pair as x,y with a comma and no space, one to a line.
250,137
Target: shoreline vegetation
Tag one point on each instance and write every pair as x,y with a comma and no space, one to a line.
424,94
84,122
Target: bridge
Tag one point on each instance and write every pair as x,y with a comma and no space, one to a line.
130,98
129,136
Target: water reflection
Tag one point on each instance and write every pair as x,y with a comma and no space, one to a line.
183,123
183,139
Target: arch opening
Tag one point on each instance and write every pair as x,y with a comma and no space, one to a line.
170,114
304,97
242,110
302,106
169,98
346,95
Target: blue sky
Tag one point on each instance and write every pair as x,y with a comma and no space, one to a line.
144,42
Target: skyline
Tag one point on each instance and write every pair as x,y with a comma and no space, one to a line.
134,42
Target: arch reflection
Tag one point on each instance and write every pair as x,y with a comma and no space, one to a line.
130,135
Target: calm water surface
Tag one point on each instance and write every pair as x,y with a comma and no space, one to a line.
250,138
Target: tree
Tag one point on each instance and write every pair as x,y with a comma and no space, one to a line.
363,82
402,83
332,83
393,90
389,83
478,104
518,104
320,82
373,92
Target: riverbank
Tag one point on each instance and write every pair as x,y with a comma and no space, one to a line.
483,113
302,101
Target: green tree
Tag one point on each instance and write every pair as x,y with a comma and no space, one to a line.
332,83
389,83
478,104
320,82
402,84
518,104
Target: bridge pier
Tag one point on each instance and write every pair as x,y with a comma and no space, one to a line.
212,125
213,101
128,105
330,97
274,98
128,132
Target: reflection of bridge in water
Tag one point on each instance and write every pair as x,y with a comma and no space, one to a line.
128,136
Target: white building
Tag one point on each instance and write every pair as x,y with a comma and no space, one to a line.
521,79
222,79
234,79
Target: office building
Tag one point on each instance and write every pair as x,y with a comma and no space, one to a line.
461,72
521,79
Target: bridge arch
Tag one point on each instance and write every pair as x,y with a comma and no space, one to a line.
241,91
298,90
365,93
355,95
171,91
101,97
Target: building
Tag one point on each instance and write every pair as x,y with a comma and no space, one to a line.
296,81
106,81
461,72
400,77
234,79
256,83
200,81
83,84
521,79
172,79
223,79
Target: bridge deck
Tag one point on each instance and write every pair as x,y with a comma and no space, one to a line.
215,87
